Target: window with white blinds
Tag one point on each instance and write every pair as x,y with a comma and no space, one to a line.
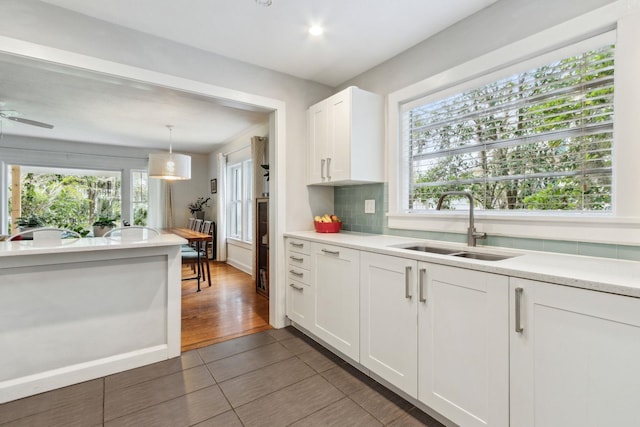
538,140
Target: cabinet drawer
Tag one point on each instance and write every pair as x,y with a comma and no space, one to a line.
299,246
335,252
299,274
295,259
300,303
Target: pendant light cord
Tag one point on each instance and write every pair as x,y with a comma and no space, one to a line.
170,127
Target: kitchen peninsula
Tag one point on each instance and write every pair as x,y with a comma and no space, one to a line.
74,310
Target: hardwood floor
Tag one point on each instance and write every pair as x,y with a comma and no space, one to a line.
228,309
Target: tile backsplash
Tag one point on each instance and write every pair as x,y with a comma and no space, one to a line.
349,206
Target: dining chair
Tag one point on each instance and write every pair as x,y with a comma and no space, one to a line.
191,223
198,225
132,233
213,242
191,258
47,235
206,227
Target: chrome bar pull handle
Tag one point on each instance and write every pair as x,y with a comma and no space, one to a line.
296,259
519,327
407,282
297,245
297,288
328,167
296,273
326,251
423,278
322,162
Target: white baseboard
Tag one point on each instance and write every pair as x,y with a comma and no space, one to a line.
17,388
240,266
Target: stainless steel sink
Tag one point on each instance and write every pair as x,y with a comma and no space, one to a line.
432,249
482,257
458,253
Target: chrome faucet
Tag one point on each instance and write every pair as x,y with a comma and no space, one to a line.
472,234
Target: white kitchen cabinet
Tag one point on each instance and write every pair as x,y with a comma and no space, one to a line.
299,294
574,357
463,344
336,281
345,139
438,333
388,319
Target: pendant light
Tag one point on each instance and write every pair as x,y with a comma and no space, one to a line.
169,166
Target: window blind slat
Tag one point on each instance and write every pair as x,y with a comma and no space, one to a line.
541,139
457,116
596,129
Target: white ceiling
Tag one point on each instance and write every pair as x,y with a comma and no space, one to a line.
359,34
90,107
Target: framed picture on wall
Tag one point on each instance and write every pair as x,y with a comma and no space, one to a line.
214,186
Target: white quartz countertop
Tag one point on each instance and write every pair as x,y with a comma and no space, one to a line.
602,274
34,247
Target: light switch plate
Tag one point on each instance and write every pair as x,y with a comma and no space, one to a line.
370,206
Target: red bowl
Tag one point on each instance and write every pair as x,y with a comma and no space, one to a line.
327,227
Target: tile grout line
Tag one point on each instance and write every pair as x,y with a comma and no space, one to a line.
281,388
225,398
344,396
292,384
252,370
163,401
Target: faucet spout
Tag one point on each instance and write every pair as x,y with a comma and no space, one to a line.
472,234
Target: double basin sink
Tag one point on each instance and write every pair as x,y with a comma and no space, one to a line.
460,254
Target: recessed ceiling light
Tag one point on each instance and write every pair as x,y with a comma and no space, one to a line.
316,30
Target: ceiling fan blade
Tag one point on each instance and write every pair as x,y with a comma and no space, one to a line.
29,122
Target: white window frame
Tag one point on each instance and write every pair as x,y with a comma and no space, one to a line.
623,225
247,211
244,169
135,202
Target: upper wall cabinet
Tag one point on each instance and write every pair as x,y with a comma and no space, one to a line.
345,139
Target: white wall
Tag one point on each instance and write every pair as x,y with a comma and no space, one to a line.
498,25
240,256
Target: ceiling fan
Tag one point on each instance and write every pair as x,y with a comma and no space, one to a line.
7,114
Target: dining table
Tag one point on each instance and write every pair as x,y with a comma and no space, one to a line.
191,236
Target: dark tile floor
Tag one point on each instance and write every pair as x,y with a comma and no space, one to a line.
273,378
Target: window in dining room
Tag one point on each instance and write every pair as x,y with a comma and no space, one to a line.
240,220
67,198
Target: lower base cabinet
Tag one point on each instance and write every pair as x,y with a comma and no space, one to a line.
463,344
337,289
575,357
389,319
299,303
438,333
